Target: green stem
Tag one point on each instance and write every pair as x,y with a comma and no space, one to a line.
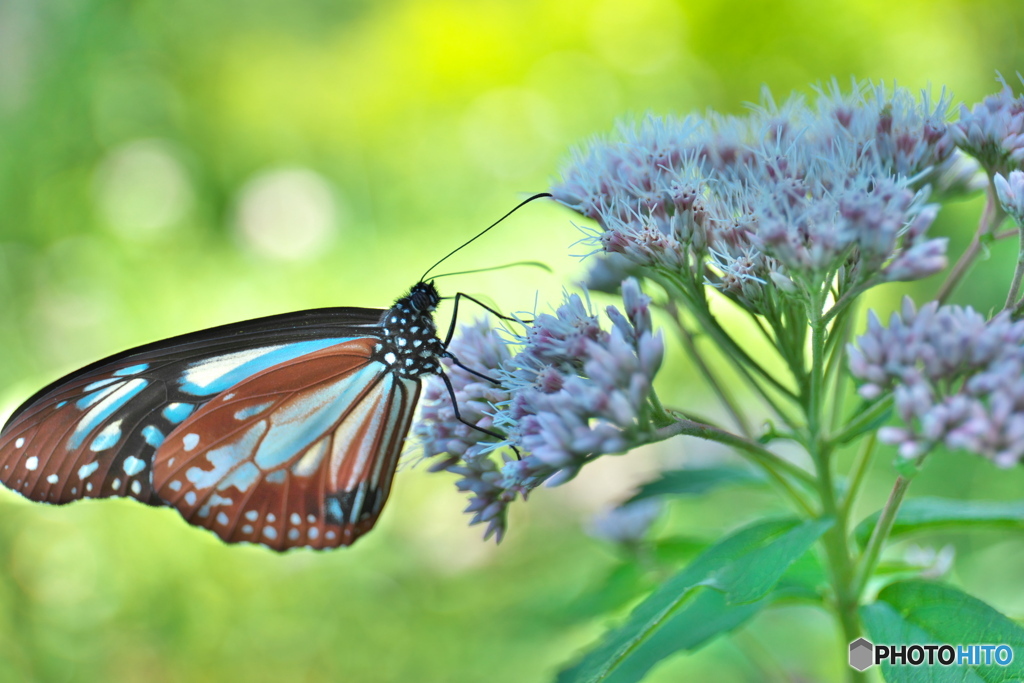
781,471
709,323
724,395
873,551
866,420
1018,273
861,465
834,376
991,217
835,539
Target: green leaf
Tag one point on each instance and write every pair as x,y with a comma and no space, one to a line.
623,584
676,550
920,612
920,514
695,482
682,615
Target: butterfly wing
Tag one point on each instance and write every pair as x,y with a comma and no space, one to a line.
300,454
93,433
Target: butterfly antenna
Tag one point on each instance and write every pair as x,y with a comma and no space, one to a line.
532,264
484,231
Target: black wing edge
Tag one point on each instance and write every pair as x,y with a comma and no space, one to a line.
314,323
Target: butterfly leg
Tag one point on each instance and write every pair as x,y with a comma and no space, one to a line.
458,415
455,315
458,363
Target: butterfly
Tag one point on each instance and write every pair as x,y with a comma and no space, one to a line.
284,431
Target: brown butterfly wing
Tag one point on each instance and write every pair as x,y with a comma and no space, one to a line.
299,455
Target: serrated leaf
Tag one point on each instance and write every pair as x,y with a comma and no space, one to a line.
682,615
920,514
920,612
692,482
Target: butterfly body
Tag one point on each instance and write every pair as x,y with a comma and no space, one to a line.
284,431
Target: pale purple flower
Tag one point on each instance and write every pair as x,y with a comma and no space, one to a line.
571,392
908,137
993,131
956,379
1010,191
781,203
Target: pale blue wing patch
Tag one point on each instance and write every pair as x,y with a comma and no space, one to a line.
218,374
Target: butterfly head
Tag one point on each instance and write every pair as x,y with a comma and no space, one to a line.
422,298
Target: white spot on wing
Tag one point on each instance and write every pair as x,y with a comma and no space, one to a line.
32,463
133,465
20,442
137,487
85,470
270,532
53,479
107,438
190,441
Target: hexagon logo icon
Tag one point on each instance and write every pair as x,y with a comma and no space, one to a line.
861,654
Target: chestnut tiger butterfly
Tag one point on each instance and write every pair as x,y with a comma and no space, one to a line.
284,431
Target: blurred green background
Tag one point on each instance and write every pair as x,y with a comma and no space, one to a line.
170,165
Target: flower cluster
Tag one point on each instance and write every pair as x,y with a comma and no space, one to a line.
572,391
783,202
993,131
956,379
908,138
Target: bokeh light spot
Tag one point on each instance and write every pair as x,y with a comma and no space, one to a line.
290,214
142,188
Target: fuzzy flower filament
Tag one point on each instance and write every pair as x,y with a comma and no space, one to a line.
782,204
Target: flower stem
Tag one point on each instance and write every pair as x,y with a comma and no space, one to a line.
991,217
781,471
1018,274
869,559
835,539
865,420
700,310
860,470
709,376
